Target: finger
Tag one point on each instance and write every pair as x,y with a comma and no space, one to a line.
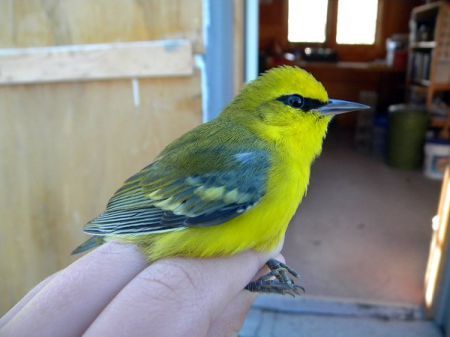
27,298
231,320
68,304
229,323
175,293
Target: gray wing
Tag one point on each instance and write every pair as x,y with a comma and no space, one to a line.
200,188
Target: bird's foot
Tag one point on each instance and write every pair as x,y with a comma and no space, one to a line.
277,281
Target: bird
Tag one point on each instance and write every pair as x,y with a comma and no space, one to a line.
231,184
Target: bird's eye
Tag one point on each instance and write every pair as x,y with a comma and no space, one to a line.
301,103
295,101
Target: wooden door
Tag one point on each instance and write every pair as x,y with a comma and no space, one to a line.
76,121
437,276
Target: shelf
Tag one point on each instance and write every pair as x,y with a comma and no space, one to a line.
426,12
423,45
424,66
427,7
423,83
419,88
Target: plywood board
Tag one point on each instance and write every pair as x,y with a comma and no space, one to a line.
65,148
99,61
38,23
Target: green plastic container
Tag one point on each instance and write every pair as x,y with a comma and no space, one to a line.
407,129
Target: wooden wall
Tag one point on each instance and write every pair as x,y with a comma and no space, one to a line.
33,23
66,147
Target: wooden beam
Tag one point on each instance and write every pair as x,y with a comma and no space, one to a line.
160,58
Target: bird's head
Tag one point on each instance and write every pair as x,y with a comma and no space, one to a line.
287,99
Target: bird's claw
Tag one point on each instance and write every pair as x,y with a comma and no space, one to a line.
275,287
277,281
277,265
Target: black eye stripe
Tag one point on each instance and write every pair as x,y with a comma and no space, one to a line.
306,103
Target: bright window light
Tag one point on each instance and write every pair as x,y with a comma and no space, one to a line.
307,20
356,21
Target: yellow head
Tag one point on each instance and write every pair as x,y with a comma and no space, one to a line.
286,100
289,108
287,92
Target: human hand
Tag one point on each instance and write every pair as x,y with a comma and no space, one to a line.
112,291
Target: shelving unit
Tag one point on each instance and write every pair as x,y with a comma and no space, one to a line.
428,75
423,45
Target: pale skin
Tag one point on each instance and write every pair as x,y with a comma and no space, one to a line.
113,291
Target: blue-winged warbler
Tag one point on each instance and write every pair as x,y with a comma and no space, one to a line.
231,184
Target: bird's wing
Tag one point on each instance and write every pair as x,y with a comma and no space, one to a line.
203,187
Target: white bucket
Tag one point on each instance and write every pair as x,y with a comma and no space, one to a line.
437,157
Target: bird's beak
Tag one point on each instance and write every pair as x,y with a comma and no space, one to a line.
337,106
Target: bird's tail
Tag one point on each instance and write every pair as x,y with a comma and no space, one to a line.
89,244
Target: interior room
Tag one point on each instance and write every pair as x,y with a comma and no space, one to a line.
364,199
92,92
363,232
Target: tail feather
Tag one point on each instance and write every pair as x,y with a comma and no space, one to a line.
89,244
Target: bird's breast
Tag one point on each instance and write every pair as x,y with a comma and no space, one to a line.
260,228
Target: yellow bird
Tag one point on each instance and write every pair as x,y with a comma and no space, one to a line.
231,184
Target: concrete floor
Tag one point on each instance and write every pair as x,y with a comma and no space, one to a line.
363,230
273,323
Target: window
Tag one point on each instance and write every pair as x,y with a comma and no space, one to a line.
355,21
307,20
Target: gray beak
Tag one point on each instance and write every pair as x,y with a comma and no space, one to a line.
337,106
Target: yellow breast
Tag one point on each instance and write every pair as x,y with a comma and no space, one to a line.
263,226
260,228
